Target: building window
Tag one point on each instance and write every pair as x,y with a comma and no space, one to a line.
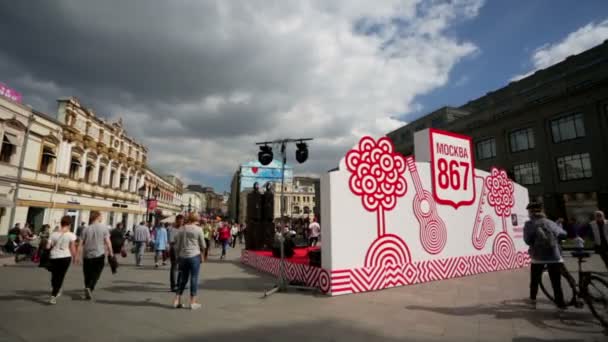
568,127
121,183
522,139
102,171
296,210
576,166
486,149
527,173
112,175
46,162
9,143
74,168
88,172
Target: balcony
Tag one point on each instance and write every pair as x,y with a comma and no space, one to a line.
76,185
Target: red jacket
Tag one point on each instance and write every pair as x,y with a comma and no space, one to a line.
224,233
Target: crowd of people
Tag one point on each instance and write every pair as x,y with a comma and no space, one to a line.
184,243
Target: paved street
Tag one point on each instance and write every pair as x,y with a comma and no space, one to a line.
134,306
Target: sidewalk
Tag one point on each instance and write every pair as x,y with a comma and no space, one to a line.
134,305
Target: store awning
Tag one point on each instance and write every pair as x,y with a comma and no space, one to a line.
5,202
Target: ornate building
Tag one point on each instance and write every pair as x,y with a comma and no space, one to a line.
71,165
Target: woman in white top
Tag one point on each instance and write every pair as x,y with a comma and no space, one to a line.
63,248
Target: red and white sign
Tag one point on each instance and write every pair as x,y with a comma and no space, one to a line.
452,168
10,93
392,220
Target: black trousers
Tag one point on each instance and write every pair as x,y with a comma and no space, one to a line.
234,237
92,268
174,274
554,269
603,252
59,267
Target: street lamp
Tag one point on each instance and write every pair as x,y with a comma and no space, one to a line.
142,193
189,205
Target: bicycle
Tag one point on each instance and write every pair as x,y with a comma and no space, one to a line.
592,288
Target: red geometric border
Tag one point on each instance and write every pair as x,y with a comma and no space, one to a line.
365,279
309,275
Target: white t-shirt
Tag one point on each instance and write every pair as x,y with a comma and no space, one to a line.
315,229
60,243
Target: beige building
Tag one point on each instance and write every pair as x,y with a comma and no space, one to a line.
69,165
300,199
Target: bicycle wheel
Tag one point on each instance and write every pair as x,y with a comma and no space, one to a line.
568,287
597,298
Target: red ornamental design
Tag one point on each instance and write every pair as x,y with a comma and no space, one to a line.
500,192
377,173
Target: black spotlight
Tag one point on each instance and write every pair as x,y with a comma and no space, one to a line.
265,155
301,152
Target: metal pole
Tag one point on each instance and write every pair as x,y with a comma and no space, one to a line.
20,170
284,155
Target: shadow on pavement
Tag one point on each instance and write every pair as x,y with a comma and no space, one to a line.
534,339
572,320
131,303
38,297
318,331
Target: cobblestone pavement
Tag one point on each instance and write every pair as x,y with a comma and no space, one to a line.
134,306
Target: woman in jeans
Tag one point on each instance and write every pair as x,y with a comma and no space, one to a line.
62,244
189,244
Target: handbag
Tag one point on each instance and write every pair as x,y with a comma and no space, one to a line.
45,259
123,253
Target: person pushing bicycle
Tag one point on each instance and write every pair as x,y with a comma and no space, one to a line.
543,235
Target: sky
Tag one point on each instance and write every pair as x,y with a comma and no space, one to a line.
199,82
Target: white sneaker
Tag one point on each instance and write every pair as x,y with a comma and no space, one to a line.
195,306
53,300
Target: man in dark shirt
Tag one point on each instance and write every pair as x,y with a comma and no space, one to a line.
599,230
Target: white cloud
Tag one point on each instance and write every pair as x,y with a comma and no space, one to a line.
225,74
576,42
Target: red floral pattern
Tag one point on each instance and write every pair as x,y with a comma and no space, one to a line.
377,173
500,192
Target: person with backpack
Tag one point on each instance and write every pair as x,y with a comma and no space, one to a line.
542,235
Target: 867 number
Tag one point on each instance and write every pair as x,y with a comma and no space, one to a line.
450,174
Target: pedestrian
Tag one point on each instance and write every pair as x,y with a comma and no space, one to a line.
189,244
174,270
141,238
80,229
216,236
234,231
95,242
117,238
62,246
314,231
241,233
224,237
160,245
542,235
207,232
599,232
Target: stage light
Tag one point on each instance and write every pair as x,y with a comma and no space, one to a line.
301,152
265,155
